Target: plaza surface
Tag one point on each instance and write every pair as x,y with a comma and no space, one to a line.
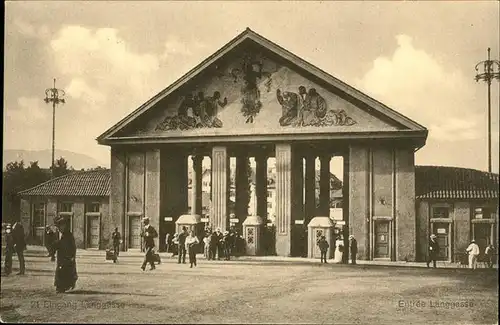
249,291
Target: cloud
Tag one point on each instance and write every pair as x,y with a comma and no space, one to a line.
416,84
102,59
30,111
29,30
79,89
173,47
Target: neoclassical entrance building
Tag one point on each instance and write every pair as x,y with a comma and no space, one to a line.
253,98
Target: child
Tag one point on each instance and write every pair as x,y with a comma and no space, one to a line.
323,247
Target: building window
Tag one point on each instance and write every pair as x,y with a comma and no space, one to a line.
269,194
65,207
482,213
39,214
92,207
440,212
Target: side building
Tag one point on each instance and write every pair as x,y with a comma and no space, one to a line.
82,197
457,205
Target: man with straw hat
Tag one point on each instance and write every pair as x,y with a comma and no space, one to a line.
148,234
433,251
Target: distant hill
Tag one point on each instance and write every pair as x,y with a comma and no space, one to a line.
76,160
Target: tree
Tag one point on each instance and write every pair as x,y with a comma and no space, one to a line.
97,168
61,167
17,178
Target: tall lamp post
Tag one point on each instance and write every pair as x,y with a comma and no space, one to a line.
54,96
490,71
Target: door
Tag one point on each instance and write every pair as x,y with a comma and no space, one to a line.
94,232
482,235
382,239
442,231
135,232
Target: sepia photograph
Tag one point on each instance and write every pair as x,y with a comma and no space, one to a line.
250,162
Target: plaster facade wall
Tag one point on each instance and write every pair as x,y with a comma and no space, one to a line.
79,219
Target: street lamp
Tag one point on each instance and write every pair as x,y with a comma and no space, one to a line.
491,70
54,96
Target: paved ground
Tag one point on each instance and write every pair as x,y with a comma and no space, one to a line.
250,292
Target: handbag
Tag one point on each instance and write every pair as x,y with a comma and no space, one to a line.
156,257
110,255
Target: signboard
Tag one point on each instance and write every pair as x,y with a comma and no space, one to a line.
234,220
299,222
168,219
204,219
441,231
340,222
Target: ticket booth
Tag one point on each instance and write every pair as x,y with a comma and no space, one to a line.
317,227
252,232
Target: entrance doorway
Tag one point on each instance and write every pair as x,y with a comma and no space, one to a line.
135,232
442,231
482,234
382,239
94,231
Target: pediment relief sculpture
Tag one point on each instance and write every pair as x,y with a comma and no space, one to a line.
195,111
308,108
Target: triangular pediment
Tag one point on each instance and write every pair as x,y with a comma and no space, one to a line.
253,87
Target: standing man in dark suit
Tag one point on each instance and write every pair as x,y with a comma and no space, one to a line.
353,248
182,246
19,244
50,238
148,234
433,251
117,238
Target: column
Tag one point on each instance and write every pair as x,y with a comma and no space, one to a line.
359,199
220,188
324,186
310,188
117,197
405,204
241,188
196,196
299,233
283,199
152,188
261,185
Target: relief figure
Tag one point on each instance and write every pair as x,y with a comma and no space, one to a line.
308,108
203,110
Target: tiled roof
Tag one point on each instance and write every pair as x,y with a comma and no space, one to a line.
87,183
439,182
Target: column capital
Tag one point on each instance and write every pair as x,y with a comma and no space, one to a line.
261,157
325,156
309,155
197,159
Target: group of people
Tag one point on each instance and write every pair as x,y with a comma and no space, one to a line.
216,245
61,247
323,246
473,251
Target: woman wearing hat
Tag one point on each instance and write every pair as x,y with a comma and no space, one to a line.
433,251
65,248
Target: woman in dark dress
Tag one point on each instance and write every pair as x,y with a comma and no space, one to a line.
65,247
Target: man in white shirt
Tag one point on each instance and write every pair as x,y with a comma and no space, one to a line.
473,251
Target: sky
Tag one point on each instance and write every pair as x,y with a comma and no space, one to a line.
417,57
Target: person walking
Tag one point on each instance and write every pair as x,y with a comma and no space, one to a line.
323,248
66,275
50,238
149,233
117,239
353,249
191,242
489,253
216,242
226,244
9,249
182,246
433,251
19,245
473,251
175,244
